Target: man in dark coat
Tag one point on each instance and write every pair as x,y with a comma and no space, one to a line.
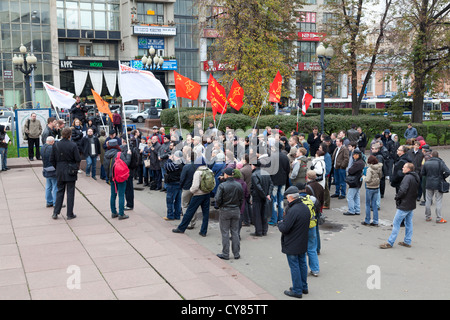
280,178
294,241
261,189
435,171
406,202
397,172
66,159
91,149
78,111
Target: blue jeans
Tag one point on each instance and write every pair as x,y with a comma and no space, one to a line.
299,272
313,258
371,202
277,204
103,175
173,200
91,165
121,192
51,187
399,216
196,201
339,180
3,153
353,200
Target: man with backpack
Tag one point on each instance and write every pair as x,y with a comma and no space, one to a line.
203,183
116,165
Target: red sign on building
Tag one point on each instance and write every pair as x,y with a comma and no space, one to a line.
309,66
311,36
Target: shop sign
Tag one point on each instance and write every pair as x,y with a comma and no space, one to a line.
311,36
153,30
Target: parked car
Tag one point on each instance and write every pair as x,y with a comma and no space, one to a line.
6,121
141,116
130,109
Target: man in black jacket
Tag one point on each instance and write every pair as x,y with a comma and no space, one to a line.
406,202
294,230
228,199
435,171
280,178
397,172
173,168
66,159
78,111
261,189
91,149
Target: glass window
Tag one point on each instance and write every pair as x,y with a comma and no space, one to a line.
71,5
114,21
99,6
100,20
71,49
72,19
85,6
86,20
60,18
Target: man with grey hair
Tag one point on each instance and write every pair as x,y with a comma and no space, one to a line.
49,172
294,230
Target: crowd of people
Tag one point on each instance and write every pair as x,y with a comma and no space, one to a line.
260,179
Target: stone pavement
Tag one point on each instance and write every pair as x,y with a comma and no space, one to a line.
97,257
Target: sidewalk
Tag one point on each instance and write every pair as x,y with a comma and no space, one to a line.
137,258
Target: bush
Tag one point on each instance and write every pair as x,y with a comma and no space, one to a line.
233,120
439,131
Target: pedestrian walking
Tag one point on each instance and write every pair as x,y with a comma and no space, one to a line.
436,171
294,230
405,200
228,200
66,159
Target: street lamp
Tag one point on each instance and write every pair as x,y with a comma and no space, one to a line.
25,63
153,62
324,56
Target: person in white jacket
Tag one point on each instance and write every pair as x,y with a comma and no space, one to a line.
318,165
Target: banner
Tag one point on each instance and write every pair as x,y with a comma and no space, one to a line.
59,98
275,88
139,84
217,96
102,105
186,88
236,96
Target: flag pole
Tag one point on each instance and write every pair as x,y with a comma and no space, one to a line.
298,107
125,121
178,110
204,115
259,114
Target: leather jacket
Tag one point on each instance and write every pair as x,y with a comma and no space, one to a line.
229,195
261,185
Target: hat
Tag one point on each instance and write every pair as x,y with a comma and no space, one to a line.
356,151
167,136
155,127
228,171
301,186
112,143
290,190
426,147
178,154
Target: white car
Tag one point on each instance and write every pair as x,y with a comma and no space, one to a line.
130,109
141,116
6,121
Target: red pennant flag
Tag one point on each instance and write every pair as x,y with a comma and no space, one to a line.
275,88
186,88
236,95
216,95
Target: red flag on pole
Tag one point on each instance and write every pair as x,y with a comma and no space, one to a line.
236,96
186,88
217,96
304,99
275,88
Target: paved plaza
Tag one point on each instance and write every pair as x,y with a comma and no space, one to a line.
96,257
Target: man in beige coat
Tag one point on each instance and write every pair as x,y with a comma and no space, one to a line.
32,131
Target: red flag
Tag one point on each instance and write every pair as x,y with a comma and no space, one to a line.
236,95
275,88
304,99
186,88
216,95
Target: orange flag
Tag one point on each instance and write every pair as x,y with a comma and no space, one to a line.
275,88
216,94
186,88
102,105
236,96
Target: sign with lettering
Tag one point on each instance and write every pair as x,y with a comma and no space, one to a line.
90,64
147,43
311,36
154,30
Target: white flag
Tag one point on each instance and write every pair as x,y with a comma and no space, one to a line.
139,84
59,98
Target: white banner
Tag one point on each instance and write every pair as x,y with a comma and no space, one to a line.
79,79
111,80
59,98
139,84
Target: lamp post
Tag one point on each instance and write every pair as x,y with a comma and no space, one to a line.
324,56
25,63
152,63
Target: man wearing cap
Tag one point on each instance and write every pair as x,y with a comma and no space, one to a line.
228,200
155,132
294,230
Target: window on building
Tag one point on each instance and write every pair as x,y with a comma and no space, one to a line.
329,24
307,51
150,12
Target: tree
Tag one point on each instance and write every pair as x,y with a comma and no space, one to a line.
255,41
423,34
356,40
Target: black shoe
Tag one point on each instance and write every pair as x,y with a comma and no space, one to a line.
114,215
123,217
341,197
334,196
49,205
71,217
177,231
54,216
292,294
94,178
222,256
254,234
348,214
202,234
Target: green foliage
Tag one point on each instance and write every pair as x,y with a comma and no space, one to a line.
439,131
